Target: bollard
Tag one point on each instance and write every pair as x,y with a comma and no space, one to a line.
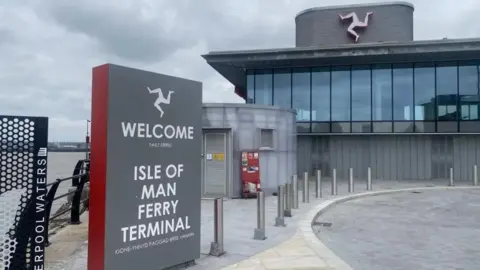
350,180
334,182
369,178
295,191
280,220
450,183
288,200
475,175
318,185
306,193
216,247
259,233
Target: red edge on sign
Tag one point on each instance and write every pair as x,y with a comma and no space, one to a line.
98,168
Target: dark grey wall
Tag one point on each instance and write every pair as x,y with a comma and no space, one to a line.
391,157
323,26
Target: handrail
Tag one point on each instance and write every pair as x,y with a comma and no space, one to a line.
66,178
81,176
82,165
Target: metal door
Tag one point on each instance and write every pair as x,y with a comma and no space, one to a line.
215,164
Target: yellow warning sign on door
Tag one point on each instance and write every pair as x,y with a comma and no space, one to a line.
219,156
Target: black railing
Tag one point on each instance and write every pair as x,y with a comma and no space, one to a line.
80,177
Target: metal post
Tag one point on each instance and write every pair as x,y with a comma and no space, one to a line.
369,178
259,232
280,220
318,185
306,193
350,180
450,183
334,182
87,141
295,191
475,175
288,200
216,247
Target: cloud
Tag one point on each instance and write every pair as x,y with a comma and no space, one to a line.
48,47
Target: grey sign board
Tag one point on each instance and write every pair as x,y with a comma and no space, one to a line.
153,188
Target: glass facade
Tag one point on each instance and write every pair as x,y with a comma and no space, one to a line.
384,98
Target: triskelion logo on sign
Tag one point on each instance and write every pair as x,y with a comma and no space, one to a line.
158,133
160,99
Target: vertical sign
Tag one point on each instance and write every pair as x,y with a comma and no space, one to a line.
23,177
145,170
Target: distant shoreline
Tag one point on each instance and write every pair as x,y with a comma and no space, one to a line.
79,150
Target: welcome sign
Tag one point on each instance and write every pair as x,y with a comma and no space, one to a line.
145,170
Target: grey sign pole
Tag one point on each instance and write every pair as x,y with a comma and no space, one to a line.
369,178
280,220
306,195
350,181
259,233
288,200
318,184
334,182
475,175
216,247
295,191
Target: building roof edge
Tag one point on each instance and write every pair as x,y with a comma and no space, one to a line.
373,45
394,3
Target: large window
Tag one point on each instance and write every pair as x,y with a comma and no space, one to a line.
282,88
382,93
341,94
361,93
263,87
468,91
424,91
402,93
250,88
402,98
301,94
321,99
447,96
381,98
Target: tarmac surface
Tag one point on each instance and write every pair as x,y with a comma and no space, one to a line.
428,229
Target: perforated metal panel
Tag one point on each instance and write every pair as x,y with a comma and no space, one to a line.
215,168
19,152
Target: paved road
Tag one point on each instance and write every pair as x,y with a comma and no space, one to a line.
427,230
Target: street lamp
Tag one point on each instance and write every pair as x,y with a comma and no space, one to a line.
87,141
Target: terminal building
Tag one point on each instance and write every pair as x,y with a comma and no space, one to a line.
366,94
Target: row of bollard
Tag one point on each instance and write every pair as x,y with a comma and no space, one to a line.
451,181
288,199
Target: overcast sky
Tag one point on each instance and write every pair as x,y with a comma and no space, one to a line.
48,47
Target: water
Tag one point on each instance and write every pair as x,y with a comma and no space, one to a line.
61,165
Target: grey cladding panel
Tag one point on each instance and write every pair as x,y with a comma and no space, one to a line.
391,157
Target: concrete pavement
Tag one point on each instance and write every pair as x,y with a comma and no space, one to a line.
292,247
